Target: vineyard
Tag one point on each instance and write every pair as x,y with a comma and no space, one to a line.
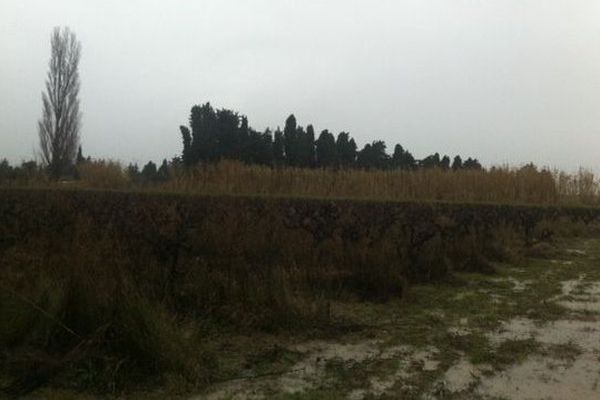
106,278
233,200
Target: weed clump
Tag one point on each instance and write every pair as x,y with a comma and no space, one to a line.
78,318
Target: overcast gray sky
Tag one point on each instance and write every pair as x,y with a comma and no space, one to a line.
508,81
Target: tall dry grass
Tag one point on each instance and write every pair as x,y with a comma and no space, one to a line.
104,174
71,310
499,184
525,185
582,187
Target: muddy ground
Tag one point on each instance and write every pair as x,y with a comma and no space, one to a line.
529,331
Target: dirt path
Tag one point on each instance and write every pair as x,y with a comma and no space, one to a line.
531,331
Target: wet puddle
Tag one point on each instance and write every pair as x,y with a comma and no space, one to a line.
565,366
568,368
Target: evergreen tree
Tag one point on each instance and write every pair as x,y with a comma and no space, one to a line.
472,163
205,141
259,149
148,173
326,150
6,171
445,163
187,155
278,148
408,161
307,144
290,137
162,175
432,161
133,172
176,163
300,148
217,134
243,141
346,150
228,135
402,158
80,158
373,156
457,163
397,156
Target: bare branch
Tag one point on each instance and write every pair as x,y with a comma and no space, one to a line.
61,119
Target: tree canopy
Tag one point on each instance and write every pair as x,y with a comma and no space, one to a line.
215,134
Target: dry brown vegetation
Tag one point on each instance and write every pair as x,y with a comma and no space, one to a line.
502,185
102,174
526,185
121,285
102,289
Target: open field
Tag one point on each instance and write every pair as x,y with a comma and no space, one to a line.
528,331
322,200
115,292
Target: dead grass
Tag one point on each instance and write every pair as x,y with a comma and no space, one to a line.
105,289
78,316
526,185
102,174
495,185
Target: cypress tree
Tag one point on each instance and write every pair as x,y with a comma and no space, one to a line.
148,173
308,147
278,148
80,158
290,138
457,163
186,154
346,150
326,150
445,163
162,174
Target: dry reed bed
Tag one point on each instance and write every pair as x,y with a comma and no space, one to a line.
496,185
526,185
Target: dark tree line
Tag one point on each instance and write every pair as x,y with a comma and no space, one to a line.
24,172
214,134
150,173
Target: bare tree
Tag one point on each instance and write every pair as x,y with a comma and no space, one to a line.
61,119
